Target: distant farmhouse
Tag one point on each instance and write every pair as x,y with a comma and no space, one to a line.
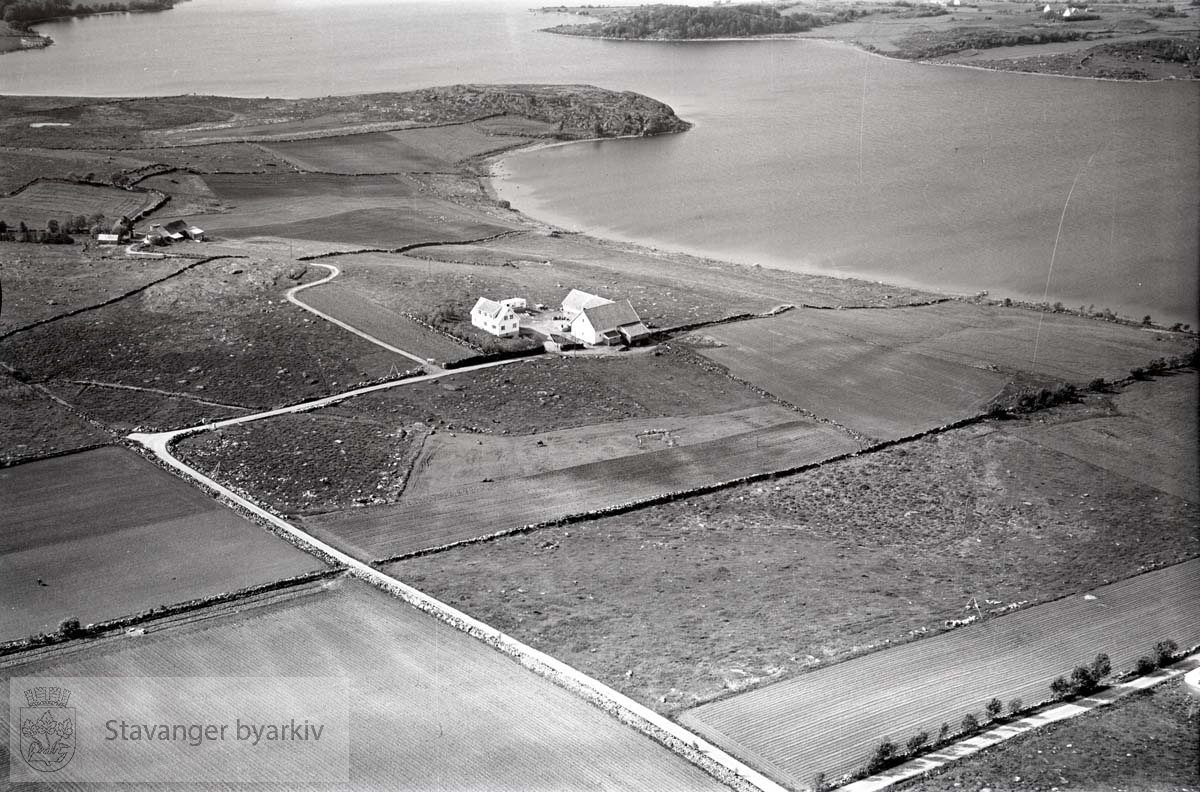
497,318
599,321
179,229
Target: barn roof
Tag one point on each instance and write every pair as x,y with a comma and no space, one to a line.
610,316
577,300
176,226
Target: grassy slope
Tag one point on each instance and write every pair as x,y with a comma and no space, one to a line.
697,597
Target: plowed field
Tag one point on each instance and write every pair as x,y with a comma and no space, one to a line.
431,708
830,720
55,200
890,373
485,508
104,534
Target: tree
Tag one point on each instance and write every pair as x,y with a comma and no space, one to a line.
944,732
1164,652
1083,680
1015,706
994,708
969,724
1101,666
70,628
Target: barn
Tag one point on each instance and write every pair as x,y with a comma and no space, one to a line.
609,323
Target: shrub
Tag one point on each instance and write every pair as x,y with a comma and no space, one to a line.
969,724
1098,385
1015,706
70,628
1061,687
1101,666
1164,652
819,783
1144,665
994,708
944,732
917,742
884,755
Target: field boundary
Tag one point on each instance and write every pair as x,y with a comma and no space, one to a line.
117,298
98,629
1053,713
672,736
14,461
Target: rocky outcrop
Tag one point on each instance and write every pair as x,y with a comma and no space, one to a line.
578,111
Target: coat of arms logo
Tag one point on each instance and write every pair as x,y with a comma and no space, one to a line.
47,729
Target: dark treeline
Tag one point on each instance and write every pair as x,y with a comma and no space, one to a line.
687,22
22,12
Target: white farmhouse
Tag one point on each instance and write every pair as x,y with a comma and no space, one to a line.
496,318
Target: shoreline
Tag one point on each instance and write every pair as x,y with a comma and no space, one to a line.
491,167
865,48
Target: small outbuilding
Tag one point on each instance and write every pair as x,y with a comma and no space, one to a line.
496,318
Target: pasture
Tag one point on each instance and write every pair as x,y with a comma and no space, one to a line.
449,461
104,533
891,373
50,200
351,306
1147,433
431,708
403,151
43,281
220,335
763,581
429,521
370,211
32,425
831,720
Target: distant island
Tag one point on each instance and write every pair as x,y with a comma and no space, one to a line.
1136,40
671,22
18,16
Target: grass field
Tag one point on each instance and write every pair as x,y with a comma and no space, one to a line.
1145,742
104,533
409,150
351,306
19,167
449,460
895,372
47,200
431,708
429,521
32,425
831,720
763,581
1149,434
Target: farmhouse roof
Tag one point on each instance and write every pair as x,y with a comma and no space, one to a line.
611,315
176,227
489,308
577,300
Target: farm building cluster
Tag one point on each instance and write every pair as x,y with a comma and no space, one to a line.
583,319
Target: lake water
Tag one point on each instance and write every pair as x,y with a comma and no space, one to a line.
806,155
